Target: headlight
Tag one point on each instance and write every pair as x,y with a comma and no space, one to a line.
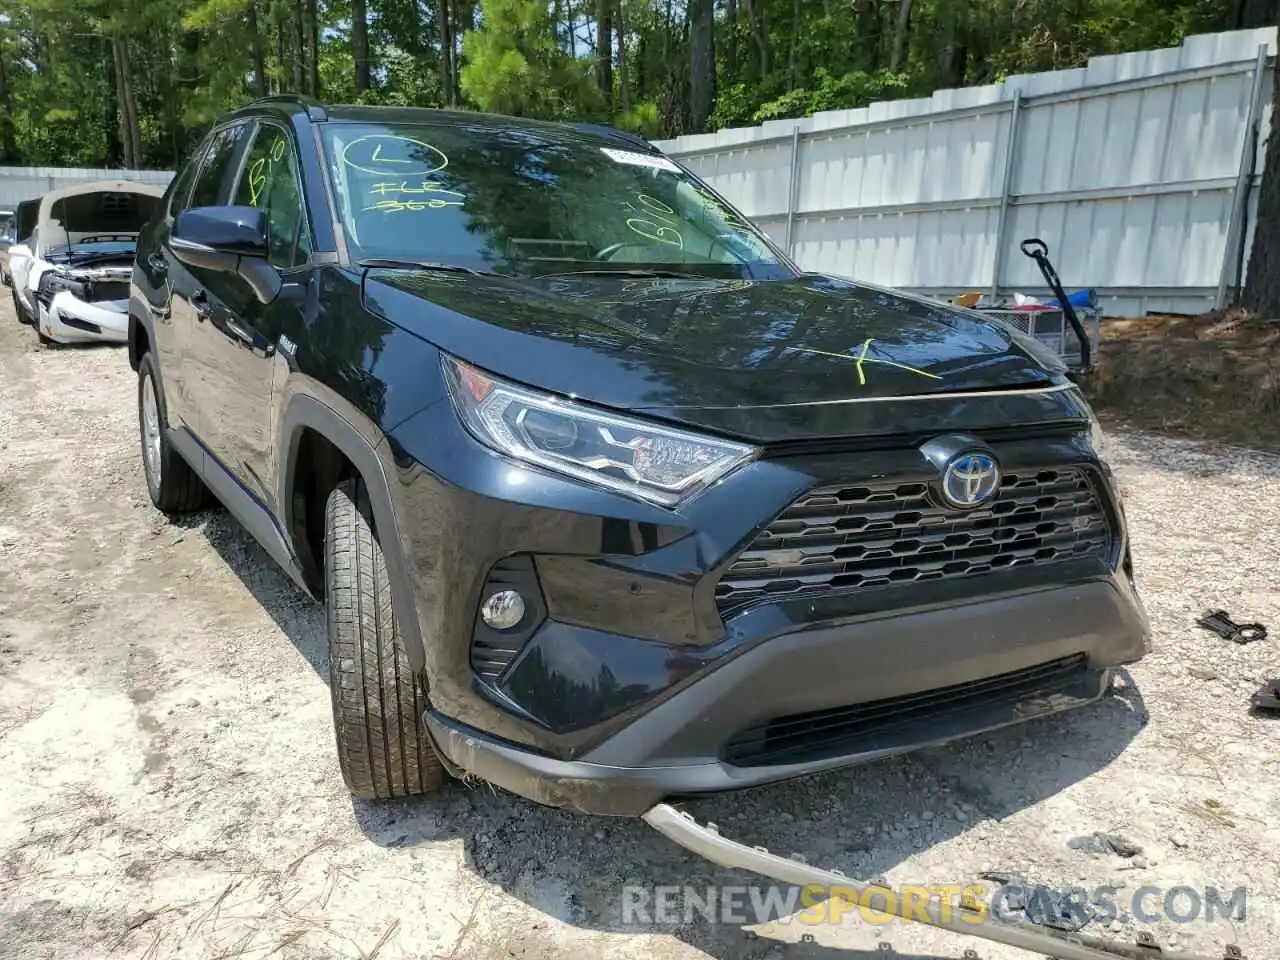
654,463
54,282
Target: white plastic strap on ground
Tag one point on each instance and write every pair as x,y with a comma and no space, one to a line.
707,842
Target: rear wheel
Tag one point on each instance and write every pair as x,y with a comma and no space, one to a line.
378,701
174,486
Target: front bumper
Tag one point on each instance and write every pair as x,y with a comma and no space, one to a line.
69,320
923,679
631,684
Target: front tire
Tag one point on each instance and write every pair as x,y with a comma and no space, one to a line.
174,486
377,700
19,309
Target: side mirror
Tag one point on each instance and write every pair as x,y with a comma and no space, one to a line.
228,240
231,231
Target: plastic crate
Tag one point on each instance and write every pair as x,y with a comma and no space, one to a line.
1050,327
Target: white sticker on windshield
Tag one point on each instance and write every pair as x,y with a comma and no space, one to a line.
640,159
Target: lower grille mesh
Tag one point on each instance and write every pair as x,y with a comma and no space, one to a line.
882,533
886,724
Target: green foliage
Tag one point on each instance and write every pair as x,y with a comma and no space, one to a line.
64,102
514,65
642,118
857,88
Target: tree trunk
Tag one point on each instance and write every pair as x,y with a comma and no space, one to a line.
900,35
259,55
1250,14
702,63
111,121
730,38
122,121
8,140
131,106
130,136
755,21
1262,282
313,40
867,24
793,58
446,53
954,59
624,97
299,47
277,75
604,51
360,45
463,16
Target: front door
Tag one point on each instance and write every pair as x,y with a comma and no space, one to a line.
235,363
178,330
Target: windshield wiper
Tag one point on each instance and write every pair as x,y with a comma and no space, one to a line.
396,263
634,272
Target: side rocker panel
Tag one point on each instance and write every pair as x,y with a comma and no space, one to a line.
372,462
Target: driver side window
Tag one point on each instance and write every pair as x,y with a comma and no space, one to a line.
269,181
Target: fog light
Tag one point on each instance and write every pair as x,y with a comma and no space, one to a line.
503,610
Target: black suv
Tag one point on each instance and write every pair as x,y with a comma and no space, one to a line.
609,502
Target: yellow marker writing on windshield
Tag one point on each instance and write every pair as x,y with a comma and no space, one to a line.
379,158
428,186
397,206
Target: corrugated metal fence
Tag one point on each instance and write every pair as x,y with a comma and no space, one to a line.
26,183
1138,170
1130,169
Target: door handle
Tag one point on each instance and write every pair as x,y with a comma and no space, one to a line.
200,300
240,333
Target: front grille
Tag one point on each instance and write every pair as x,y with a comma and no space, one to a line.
876,534
100,290
933,715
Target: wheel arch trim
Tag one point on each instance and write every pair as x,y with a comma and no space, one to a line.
308,412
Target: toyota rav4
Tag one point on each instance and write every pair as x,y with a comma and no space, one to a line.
608,501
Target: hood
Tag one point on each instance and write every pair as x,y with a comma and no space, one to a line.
666,346
104,212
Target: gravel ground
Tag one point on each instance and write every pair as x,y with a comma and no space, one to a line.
170,786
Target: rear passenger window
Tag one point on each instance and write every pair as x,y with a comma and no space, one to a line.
219,166
181,191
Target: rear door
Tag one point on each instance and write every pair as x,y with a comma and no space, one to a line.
189,304
234,363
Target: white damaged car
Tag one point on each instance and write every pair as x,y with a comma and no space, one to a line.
82,259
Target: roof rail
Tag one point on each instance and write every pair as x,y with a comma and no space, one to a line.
315,109
614,133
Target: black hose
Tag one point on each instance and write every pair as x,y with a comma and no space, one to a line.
1038,250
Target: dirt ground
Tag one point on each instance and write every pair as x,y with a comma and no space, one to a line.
168,784
1212,377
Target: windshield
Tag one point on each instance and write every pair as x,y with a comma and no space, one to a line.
522,201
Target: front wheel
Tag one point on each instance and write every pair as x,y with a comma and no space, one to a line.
19,310
377,700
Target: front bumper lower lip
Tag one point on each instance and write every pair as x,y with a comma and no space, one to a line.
599,789
673,750
602,789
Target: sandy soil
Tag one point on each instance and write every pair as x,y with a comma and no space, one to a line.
168,785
